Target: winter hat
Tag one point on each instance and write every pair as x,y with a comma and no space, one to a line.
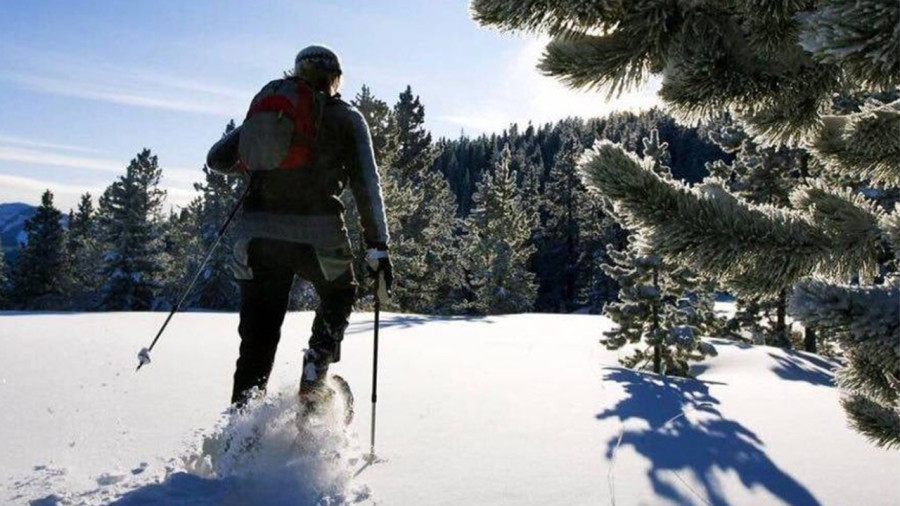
320,56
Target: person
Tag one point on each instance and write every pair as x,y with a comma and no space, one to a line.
292,223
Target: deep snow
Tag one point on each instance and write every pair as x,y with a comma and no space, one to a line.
525,409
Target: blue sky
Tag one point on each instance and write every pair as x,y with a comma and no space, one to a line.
85,85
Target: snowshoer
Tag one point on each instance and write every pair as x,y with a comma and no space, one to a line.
292,220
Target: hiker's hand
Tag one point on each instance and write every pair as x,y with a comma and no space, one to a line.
378,263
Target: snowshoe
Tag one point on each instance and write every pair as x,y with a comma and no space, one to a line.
319,399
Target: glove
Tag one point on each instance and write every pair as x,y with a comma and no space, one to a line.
378,263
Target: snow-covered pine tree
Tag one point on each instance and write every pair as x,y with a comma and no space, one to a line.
181,252
763,175
41,273
84,250
663,305
422,214
562,257
383,130
131,227
654,309
776,68
498,247
415,151
216,287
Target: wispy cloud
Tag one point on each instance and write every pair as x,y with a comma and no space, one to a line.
55,159
29,190
112,93
66,196
43,157
91,79
33,143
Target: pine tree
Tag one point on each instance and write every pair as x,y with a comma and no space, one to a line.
776,70
415,151
498,245
383,130
662,304
182,253
84,250
131,225
216,287
763,175
656,307
421,209
562,256
41,272
382,126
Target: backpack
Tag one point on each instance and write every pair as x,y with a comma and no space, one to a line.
281,126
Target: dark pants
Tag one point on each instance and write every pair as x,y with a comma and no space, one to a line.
264,301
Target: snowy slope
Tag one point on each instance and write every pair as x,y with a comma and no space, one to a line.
524,409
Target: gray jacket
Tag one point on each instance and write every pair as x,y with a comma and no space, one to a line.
304,205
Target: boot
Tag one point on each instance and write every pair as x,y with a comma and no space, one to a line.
313,387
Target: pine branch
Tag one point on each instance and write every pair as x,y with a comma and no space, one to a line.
552,16
852,224
890,227
854,314
860,36
879,424
779,97
619,60
865,145
756,250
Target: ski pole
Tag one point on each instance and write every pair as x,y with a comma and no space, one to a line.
378,282
144,354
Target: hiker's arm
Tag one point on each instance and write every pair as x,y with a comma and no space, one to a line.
223,157
365,184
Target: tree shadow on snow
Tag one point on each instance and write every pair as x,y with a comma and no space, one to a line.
796,366
178,488
685,436
718,341
410,321
186,488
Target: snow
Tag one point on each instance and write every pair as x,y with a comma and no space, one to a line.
520,409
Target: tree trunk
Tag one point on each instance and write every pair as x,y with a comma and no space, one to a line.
657,359
781,333
809,340
657,347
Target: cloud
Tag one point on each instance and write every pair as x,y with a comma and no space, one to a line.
66,196
28,190
48,157
93,79
112,93
32,143
43,157
520,93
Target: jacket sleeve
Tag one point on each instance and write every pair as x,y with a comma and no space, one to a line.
223,156
365,183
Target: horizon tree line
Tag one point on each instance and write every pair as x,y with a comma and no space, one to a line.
445,201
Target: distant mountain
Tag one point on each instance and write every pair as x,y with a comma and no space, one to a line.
12,227
12,224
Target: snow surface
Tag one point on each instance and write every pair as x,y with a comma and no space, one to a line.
525,409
